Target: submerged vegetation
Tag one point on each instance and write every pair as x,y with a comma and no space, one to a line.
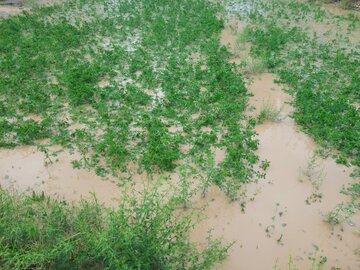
320,71
268,112
139,86
144,233
322,76
131,86
127,82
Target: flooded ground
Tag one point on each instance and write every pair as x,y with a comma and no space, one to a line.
282,220
278,220
284,213
286,217
229,38
25,168
267,93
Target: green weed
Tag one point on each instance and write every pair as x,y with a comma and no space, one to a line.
341,213
256,66
317,263
322,77
268,113
320,71
122,70
143,233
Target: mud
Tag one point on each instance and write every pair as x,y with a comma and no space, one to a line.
11,2
327,32
335,9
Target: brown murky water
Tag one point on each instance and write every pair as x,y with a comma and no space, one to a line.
267,93
229,38
327,32
278,221
282,219
24,168
277,207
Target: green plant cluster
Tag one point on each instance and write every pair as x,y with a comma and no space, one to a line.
111,78
322,76
144,233
321,71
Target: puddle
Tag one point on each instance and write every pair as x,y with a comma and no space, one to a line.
278,223
24,168
267,93
228,38
279,220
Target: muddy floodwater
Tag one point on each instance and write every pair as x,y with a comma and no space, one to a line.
283,219
277,222
25,168
281,216
280,220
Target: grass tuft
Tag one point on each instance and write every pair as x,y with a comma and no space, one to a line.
268,113
142,233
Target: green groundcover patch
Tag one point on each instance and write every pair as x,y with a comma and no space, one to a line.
145,82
